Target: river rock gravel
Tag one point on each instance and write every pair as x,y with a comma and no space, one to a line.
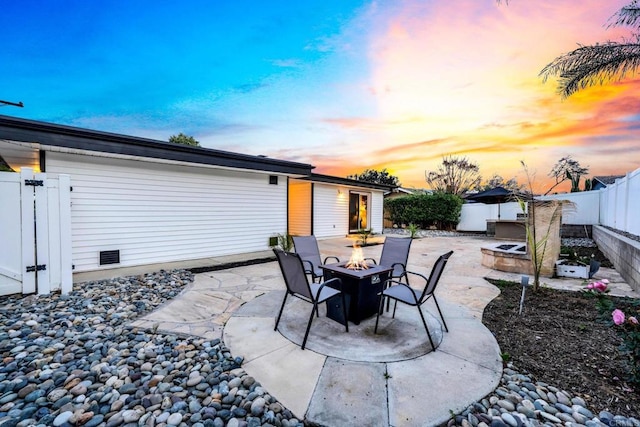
71,360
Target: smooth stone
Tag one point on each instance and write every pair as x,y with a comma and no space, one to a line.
577,400
62,418
579,417
563,398
132,415
174,419
567,418
529,413
583,411
257,406
550,417
163,417
564,408
509,419
506,404
26,390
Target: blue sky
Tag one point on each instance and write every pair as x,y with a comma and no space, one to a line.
344,85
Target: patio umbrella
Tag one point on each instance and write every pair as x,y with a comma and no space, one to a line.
495,195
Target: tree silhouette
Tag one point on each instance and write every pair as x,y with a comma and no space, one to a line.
456,175
376,177
184,140
567,168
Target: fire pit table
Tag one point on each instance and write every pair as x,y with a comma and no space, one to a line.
361,287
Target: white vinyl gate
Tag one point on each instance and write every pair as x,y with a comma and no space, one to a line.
35,233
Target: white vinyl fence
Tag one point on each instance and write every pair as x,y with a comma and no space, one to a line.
615,206
474,216
620,204
583,207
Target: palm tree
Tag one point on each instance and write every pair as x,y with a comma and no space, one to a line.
601,63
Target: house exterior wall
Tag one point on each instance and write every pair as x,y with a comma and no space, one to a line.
155,212
330,210
300,208
377,211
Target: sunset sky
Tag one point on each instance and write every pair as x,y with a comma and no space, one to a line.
343,85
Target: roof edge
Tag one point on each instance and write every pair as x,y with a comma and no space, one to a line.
328,179
18,129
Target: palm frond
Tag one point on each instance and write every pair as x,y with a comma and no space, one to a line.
593,65
628,15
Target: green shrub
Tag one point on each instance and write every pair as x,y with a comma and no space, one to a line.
441,210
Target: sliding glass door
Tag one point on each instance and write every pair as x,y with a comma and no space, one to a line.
358,212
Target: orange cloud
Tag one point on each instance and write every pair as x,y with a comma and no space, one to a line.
467,84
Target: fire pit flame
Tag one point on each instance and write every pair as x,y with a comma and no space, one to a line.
357,261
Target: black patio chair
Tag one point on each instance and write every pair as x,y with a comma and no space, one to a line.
395,253
399,291
307,248
298,285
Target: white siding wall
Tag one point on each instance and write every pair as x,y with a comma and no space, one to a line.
330,210
156,212
377,211
299,208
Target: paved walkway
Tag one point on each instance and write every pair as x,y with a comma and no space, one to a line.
347,384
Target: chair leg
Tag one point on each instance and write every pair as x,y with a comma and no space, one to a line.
388,300
424,322
439,311
286,294
306,334
344,310
395,305
375,330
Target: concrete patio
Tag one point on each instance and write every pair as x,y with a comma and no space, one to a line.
359,378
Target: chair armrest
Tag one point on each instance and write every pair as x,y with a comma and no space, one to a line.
371,259
422,276
332,257
418,274
310,269
334,280
404,267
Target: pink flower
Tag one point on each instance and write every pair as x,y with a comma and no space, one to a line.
605,281
618,317
632,319
590,286
600,286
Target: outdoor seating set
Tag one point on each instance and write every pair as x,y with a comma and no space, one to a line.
354,291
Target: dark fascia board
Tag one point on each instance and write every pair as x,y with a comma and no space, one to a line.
347,181
16,129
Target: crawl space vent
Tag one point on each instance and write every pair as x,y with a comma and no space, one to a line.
110,257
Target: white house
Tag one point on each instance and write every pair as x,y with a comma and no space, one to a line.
137,201
328,206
